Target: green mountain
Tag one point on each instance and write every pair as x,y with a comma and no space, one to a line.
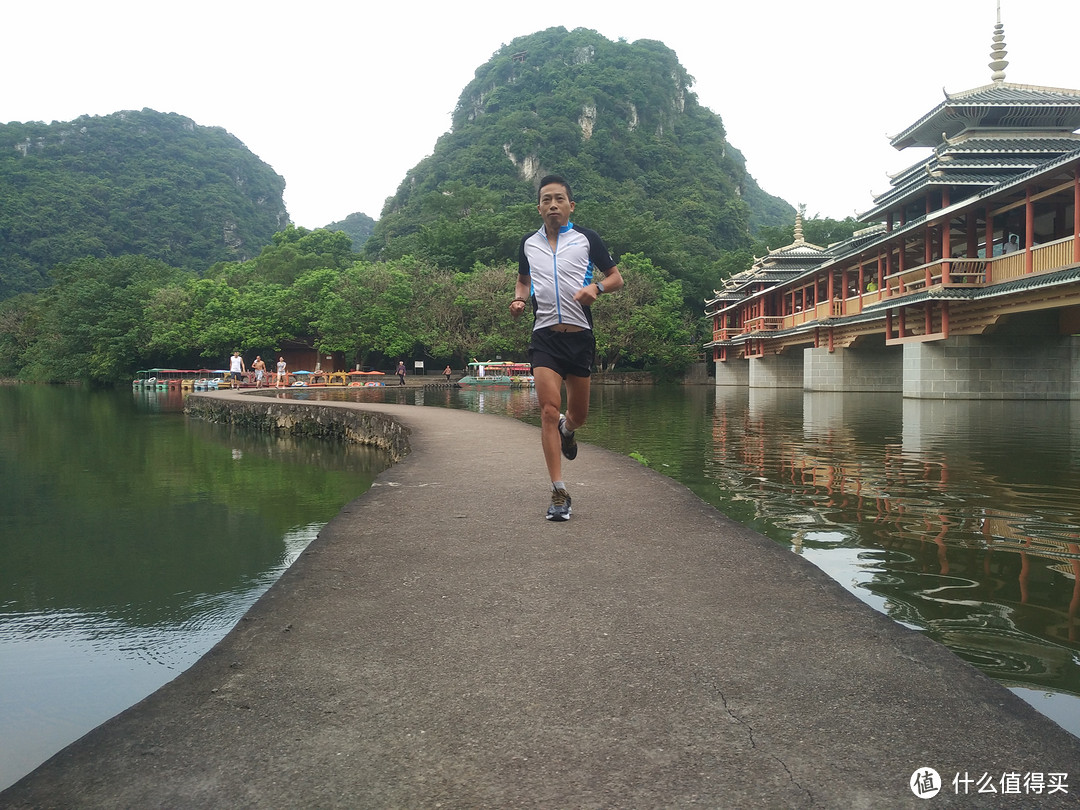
650,167
135,182
358,226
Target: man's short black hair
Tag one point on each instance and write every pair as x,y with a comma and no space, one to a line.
554,178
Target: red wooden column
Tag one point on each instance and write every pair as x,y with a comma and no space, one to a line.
1029,231
946,239
1076,214
928,241
928,251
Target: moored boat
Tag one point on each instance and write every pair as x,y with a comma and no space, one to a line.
498,373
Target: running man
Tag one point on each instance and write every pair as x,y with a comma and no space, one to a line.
557,273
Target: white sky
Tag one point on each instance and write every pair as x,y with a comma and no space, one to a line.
342,98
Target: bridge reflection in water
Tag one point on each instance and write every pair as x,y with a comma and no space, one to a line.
960,518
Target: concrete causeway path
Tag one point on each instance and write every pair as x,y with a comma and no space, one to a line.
441,645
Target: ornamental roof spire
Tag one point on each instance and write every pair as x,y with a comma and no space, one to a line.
798,224
998,62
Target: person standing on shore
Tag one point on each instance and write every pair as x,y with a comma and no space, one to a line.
447,372
401,371
259,367
558,269
236,369
281,368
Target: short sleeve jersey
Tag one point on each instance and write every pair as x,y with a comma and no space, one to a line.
555,275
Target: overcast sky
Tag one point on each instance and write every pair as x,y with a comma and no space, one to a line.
342,98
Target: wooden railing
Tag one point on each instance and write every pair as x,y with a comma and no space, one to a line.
1007,267
943,272
981,272
764,323
1053,255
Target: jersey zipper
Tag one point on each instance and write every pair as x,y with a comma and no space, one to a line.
555,275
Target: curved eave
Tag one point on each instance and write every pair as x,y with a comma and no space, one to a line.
971,181
1046,146
1049,107
1003,185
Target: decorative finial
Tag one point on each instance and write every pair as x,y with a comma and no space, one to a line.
798,222
997,51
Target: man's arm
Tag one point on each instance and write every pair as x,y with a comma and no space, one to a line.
612,281
521,295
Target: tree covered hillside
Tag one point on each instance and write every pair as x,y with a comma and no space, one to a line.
358,226
137,182
650,167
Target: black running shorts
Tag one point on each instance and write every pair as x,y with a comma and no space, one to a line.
569,353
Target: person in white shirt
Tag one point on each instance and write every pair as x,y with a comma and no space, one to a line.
562,270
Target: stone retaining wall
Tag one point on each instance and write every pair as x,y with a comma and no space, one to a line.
318,420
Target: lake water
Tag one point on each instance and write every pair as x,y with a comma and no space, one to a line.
132,539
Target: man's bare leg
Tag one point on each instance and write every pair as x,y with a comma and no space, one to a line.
548,384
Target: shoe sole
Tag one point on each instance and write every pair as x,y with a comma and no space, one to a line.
569,451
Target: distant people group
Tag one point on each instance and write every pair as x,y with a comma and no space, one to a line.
239,373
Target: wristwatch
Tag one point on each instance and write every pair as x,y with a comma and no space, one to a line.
599,285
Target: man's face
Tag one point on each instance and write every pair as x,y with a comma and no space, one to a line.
555,205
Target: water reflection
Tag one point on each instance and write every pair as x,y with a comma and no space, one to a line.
958,518
131,541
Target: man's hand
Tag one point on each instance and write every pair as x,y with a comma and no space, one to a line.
587,295
517,306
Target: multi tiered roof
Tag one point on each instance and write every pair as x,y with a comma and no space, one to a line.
776,267
983,137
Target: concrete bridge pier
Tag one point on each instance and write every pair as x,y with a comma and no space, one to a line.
777,371
998,366
876,368
733,373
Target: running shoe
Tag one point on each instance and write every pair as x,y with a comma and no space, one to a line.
569,443
560,505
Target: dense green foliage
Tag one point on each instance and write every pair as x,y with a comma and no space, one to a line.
358,226
145,183
651,168
103,319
